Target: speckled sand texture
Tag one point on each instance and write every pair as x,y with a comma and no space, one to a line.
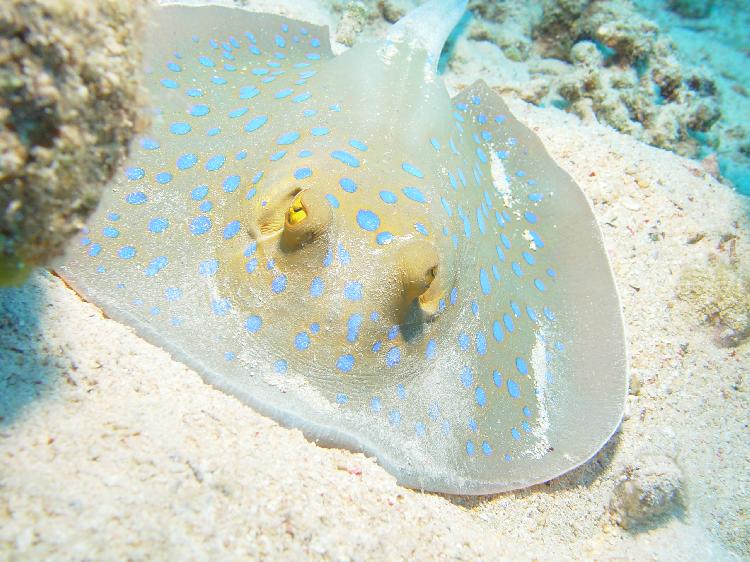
111,450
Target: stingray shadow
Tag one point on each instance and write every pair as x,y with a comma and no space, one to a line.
26,374
581,477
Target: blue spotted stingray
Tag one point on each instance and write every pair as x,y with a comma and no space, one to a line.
337,243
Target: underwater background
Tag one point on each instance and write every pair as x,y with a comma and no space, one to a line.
109,448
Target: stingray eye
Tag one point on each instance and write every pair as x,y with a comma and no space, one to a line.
306,218
296,213
278,210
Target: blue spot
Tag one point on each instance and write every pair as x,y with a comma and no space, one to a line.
248,92
213,132
480,397
215,162
345,157
419,227
302,97
173,294
484,281
208,268
158,225
413,170
316,287
231,183
206,206
194,92
521,366
342,398
513,389
384,238
278,284
199,110
169,83
367,220
126,252
231,229
435,144
497,378
348,185
463,341
174,67
256,123
278,156
414,194
95,250
280,43
110,232
430,350
359,145
515,433
205,61
481,343
180,128
302,173
280,367
302,341
393,357
221,307
239,112
319,131
251,265
508,321
149,144
281,94
497,331
481,155
163,177
454,295
486,449
388,197
287,138
187,161
345,363
394,417
353,290
260,71
466,377
253,324
446,206
353,325
200,225
333,201
539,285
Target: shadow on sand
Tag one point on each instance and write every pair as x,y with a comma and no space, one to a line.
26,369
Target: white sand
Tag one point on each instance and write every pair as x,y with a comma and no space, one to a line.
112,450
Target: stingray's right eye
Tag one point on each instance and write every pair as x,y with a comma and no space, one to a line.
296,213
274,214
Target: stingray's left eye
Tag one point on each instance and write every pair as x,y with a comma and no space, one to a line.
306,218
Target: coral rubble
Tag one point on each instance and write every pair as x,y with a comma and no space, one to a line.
68,110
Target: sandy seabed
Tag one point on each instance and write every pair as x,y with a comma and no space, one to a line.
109,449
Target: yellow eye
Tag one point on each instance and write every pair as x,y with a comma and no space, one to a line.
296,213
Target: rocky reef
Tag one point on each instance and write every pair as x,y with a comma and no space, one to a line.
603,60
69,101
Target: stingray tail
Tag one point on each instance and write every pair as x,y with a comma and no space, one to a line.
428,26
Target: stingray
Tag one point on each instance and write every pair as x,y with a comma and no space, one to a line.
342,246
